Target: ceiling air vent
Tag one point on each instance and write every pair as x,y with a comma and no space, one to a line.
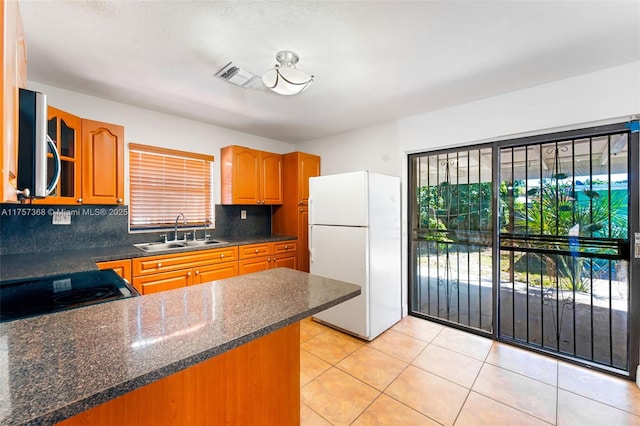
235,75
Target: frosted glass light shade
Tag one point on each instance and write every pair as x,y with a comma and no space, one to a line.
285,78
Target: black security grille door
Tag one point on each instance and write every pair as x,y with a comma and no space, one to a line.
451,237
564,247
528,240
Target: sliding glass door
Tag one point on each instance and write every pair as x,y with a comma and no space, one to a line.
451,243
564,247
529,241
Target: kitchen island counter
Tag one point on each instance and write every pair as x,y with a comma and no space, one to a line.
58,365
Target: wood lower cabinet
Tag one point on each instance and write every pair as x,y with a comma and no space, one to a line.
166,272
163,281
215,272
249,176
263,256
292,217
121,267
152,274
257,383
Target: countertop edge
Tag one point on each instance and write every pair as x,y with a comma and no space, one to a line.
79,406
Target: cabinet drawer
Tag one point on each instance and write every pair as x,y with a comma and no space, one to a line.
251,251
173,262
285,247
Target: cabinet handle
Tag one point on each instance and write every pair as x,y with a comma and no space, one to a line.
197,272
286,247
119,200
221,255
256,251
189,273
159,264
269,259
79,200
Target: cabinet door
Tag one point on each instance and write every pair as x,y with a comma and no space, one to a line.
121,267
163,281
284,261
303,239
248,266
64,129
215,272
271,178
240,175
103,163
10,45
308,166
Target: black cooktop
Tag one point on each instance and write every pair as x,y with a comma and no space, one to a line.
26,298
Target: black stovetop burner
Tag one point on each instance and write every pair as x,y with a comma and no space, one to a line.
26,298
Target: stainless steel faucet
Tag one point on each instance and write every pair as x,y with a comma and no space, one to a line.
206,222
175,230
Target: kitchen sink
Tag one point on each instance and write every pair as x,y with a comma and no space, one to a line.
160,246
204,242
174,245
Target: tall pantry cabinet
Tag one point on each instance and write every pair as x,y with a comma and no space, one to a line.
292,217
13,53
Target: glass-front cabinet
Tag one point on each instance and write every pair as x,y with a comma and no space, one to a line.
64,129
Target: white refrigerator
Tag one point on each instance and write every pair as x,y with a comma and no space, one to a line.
354,236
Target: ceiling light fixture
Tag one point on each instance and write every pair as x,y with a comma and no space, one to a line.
284,78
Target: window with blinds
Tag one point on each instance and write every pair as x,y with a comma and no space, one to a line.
164,183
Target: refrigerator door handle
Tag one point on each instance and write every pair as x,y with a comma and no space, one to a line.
310,209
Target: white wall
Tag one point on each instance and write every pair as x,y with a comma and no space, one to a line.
610,95
154,128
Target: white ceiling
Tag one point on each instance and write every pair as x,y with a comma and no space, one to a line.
373,61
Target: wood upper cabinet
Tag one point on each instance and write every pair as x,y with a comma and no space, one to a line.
64,129
308,165
103,163
91,160
292,217
271,178
249,176
13,51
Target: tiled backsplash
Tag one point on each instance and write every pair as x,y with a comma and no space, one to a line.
29,228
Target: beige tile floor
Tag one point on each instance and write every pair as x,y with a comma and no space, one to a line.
421,373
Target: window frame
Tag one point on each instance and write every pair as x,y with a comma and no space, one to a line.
164,221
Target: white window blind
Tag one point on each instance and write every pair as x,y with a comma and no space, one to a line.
164,183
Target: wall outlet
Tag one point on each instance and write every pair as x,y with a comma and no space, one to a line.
61,217
243,214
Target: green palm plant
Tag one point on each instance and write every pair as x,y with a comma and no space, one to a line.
555,209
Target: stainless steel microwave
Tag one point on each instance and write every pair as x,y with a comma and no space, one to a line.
33,144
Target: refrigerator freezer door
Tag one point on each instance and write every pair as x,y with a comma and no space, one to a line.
341,253
339,199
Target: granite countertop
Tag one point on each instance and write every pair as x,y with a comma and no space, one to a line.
34,265
58,365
